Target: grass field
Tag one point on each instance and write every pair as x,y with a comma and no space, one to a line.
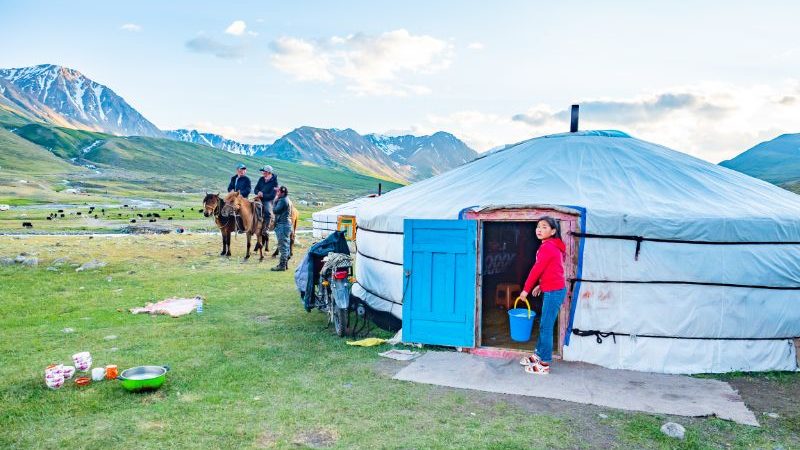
255,370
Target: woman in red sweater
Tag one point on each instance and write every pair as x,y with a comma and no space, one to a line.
547,275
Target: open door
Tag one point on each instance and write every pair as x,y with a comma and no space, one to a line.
439,262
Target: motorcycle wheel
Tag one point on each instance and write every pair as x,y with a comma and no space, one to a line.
339,318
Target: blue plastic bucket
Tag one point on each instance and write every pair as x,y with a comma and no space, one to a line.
520,321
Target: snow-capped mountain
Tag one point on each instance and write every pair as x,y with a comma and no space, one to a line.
216,141
427,155
66,97
334,147
405,158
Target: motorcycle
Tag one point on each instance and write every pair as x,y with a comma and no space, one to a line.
336,280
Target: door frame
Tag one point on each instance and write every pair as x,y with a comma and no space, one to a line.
530,213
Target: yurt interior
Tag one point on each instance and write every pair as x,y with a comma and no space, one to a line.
508,246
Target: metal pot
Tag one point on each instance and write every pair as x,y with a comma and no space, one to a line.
143,378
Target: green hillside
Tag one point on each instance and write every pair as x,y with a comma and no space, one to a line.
776,161
18,155
149,168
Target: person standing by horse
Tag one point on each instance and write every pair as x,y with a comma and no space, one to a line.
240,182
283,226
266,190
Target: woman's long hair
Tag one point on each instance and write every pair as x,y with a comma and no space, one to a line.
554,224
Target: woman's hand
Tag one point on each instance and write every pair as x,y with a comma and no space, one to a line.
536,291
523,295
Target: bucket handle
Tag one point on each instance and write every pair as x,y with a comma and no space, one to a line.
526,303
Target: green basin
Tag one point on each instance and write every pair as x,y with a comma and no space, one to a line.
143,378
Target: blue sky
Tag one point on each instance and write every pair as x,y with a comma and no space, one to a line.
708,78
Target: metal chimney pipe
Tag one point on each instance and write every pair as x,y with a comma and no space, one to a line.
379,189
573,123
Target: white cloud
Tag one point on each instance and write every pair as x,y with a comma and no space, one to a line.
479,130
369,65
204,44
476,46
245,134
712,121
131,27
236,28
300,59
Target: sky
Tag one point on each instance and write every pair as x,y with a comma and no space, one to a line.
709,78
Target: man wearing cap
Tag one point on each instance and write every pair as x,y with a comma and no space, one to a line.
266,190
283,225
240,182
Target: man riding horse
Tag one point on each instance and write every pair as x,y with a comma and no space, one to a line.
266,191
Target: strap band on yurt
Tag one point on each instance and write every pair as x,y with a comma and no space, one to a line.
359,227
693,283
378,259
640,239
599,335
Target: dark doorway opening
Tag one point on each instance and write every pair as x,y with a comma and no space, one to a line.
508,253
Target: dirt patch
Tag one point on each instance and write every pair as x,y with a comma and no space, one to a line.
262,318
153,397
319,438
266,439
151,425
770,393
387,368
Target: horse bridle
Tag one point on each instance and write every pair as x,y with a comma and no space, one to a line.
224,220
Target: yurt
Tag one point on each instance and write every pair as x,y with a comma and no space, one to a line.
324,222
674,264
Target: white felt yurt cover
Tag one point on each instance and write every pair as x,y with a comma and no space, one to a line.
728,298
324,222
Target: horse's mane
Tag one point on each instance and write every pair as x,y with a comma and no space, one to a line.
209,197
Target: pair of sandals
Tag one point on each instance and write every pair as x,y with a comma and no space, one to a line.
534,365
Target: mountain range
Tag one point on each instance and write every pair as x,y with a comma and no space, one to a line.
55,95
65,97
776,161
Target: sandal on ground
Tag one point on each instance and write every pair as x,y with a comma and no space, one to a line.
528,360
542,368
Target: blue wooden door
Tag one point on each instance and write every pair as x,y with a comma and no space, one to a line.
439,258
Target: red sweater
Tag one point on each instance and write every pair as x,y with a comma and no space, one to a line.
548,270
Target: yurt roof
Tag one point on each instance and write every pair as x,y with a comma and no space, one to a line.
626,185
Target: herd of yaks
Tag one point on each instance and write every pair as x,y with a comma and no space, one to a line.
60,214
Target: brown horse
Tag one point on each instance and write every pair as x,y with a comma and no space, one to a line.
251,221
293,217
212,206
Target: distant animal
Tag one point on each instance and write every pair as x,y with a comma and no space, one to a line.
62,216
27,225
49,218
212,207
152,220
163,209
169,218
103,211
294,215
78,213
157,215
124,206
133,220
251,221
61,210
200,211
148,215
140,215
95,216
